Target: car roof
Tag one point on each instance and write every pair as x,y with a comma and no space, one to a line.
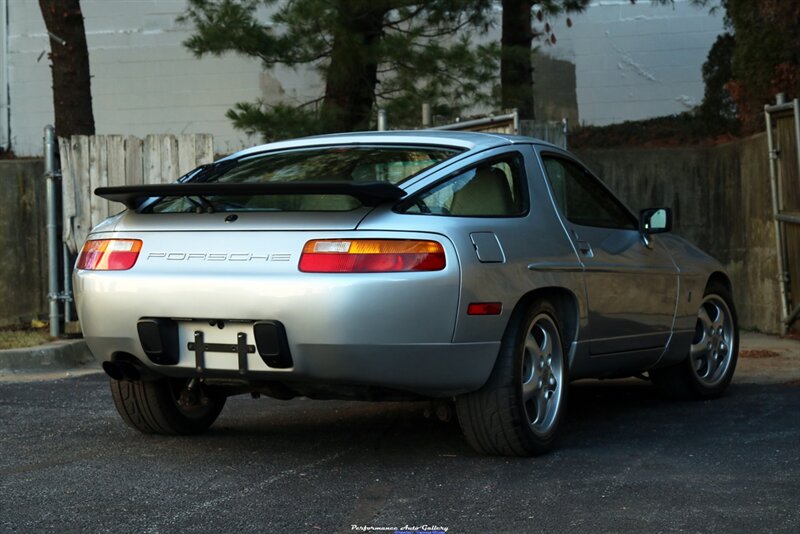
445,138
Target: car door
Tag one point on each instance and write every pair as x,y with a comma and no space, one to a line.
631,282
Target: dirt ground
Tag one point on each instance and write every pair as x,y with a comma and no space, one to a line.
767,359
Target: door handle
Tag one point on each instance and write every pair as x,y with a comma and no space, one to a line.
585,248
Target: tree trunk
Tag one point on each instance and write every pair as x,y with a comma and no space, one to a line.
352,74
72,93
516,69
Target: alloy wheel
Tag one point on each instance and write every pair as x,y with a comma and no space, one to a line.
542,374
712,347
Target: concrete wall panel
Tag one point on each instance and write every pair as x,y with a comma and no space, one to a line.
23,241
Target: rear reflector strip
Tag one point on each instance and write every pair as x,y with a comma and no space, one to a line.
109,254
371,256
485,308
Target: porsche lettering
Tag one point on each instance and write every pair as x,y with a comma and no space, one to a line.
217,256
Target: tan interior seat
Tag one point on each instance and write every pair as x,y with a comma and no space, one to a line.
488,193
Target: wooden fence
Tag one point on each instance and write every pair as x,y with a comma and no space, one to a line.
89,162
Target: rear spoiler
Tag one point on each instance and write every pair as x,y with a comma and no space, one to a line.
368,193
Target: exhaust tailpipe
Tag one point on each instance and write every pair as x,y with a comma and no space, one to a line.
113,371
128,370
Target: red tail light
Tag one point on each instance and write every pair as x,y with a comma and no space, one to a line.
109,254
371,256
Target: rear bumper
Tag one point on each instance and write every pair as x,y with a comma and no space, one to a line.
437,370
390,330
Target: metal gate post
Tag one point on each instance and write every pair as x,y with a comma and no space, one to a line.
781,218
52,229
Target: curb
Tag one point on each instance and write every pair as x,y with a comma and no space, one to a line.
62,355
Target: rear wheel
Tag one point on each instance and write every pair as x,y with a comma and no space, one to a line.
709,366
519,410
167,406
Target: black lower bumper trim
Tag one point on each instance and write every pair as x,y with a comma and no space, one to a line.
272,344
159,339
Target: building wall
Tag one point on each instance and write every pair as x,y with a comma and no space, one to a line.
143,80
630,62
636,61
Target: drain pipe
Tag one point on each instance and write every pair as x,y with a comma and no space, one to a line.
67,296
52,228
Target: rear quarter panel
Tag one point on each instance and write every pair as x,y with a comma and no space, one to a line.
538,254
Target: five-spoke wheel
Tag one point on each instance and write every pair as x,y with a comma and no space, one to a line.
542,374
709,366
712,348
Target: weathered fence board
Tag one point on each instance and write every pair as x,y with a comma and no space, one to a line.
111,160
134,161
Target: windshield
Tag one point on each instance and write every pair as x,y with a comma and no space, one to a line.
357,164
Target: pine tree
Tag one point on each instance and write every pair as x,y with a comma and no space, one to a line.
519,34
394,53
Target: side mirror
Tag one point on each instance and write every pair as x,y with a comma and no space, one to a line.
655,221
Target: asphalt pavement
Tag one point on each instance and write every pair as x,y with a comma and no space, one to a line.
629,461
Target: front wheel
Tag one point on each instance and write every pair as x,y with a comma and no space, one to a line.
709,366
519,410
169,406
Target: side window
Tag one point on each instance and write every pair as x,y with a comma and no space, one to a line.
582,199
491,189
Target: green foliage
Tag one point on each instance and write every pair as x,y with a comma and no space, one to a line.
394,53
718,107
683,129
451,77
274,122
766,59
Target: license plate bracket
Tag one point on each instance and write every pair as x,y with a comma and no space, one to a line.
200,347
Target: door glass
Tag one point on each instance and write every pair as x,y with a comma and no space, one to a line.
582,199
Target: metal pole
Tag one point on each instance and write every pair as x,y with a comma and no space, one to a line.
52,229
796,103
565,131
67,285
515,121
426,115
773,157
381,120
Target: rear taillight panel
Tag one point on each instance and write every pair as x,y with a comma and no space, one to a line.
109,254
371,256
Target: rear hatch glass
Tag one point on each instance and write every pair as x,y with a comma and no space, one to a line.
348,164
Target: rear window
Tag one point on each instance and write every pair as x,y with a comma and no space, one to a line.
358,164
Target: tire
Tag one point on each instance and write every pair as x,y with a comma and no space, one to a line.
711,362
152,407
518,412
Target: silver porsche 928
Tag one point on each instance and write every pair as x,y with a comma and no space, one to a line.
491,269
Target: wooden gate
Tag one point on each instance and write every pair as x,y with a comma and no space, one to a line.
89,162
